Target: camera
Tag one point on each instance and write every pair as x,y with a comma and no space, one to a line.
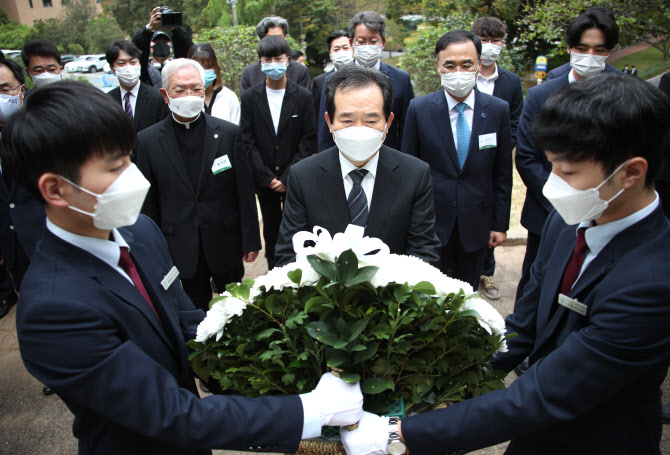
169,17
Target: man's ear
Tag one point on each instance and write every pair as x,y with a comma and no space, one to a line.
388,125
328,122
53,189
165,96
634,171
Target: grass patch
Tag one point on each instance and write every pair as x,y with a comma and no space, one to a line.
649,62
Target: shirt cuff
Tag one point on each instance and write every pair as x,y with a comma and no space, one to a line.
311,426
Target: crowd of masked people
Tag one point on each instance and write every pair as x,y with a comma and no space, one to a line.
431,176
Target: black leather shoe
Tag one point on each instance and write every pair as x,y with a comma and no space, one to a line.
48,390
6,304
666,413
522,367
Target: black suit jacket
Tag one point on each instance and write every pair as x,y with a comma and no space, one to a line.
150,107
220,213
508,87
401,210
594,382
254,75
317,87
88,333
272,154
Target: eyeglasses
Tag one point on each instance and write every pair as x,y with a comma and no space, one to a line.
197,91
8,91
274,59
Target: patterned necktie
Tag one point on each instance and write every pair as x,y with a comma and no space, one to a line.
128,107
127,264
462,134
575,265
357,202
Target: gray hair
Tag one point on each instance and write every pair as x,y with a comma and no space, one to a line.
271,21
175,65
371,19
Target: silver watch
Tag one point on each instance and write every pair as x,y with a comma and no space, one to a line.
395,445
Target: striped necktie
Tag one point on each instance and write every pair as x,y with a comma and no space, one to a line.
357,202
127,106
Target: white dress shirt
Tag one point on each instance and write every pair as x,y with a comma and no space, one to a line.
133,96
598,236
275,100
108,251
453,113
486,85
368,182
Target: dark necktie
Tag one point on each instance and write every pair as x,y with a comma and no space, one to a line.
357,202
127,264
128,107
575,265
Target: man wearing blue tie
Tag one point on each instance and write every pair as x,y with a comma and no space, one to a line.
471,161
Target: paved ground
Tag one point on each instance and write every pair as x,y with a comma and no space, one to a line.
32,424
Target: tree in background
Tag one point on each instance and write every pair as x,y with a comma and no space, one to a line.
12,34
133,15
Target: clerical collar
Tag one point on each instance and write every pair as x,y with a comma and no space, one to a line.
186,125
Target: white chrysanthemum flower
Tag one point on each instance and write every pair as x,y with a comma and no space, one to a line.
488,318
218,316
278,279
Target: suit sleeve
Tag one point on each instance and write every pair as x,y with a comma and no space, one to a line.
245,82
502,177
325,138
262,174
421,238
142,39
294,219
399,117
181,42
304,79
625,336
78,348
528,161
307,144
151,206
411,144
251,239
515,108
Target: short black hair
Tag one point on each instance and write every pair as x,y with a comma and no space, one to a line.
608,118
41,48
335,35
352,77
458,36
489,27
16,69
269,22
50,135
371,19
126,46
598,17
273,46
296,54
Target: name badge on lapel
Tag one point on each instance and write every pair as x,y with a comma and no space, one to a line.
487,141
170,277
221,164
572,304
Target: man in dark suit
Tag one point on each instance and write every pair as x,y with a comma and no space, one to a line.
361,181
278,130
201,192
101,318
594,318
341,54
142,103
590,38
368,34
253,74
503,84
464,135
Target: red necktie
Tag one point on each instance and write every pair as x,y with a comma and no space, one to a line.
575,265
127,264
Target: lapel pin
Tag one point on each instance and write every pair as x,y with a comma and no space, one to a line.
216,136
483,115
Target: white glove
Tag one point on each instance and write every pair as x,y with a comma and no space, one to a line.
370,438
337,402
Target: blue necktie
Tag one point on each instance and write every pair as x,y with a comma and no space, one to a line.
357,202
462,134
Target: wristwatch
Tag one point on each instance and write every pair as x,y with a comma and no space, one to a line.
395,445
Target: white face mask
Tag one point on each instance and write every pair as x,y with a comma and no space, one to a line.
121,202
128,75
587,65
460,83
342,58
358,143
490,53
8,105
43,79
187,106
574,205
368,55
